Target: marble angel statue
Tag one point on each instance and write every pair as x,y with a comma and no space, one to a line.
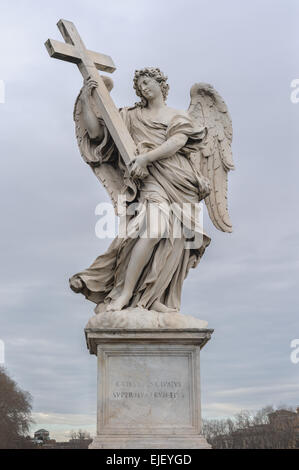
182,157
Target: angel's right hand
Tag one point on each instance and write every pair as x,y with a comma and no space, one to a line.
88,87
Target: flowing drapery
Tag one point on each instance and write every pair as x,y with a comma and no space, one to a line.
176,188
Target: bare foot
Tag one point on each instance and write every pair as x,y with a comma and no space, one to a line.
76,284
159,307
119,303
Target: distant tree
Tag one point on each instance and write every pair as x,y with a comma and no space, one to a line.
243,419
80,435
80,439
15,414
266,428
262,415
83,435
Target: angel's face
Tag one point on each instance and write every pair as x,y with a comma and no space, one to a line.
149,87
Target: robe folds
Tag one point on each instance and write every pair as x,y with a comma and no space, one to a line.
175,187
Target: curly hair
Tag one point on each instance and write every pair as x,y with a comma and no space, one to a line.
151,72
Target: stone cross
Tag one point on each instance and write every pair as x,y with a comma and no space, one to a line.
89,63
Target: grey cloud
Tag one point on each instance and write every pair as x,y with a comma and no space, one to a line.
246,285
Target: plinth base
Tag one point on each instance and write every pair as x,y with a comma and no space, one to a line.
148,388
144,442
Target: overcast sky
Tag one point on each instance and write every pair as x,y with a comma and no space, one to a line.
246,286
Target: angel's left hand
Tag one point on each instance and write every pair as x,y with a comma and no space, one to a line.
139,167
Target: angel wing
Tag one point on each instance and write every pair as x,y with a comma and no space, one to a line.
208,109
108,174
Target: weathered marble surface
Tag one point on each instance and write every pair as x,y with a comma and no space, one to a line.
142,318
148,387
177,164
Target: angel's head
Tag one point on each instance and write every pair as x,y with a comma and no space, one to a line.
149,82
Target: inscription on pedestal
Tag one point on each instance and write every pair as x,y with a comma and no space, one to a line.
148,390
163,389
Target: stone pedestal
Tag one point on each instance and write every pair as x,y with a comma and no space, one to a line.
148,387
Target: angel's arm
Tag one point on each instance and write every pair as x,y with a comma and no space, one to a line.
94,129
167,149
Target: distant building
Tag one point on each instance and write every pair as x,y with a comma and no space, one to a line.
282,432
41,436
42,440
71,444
